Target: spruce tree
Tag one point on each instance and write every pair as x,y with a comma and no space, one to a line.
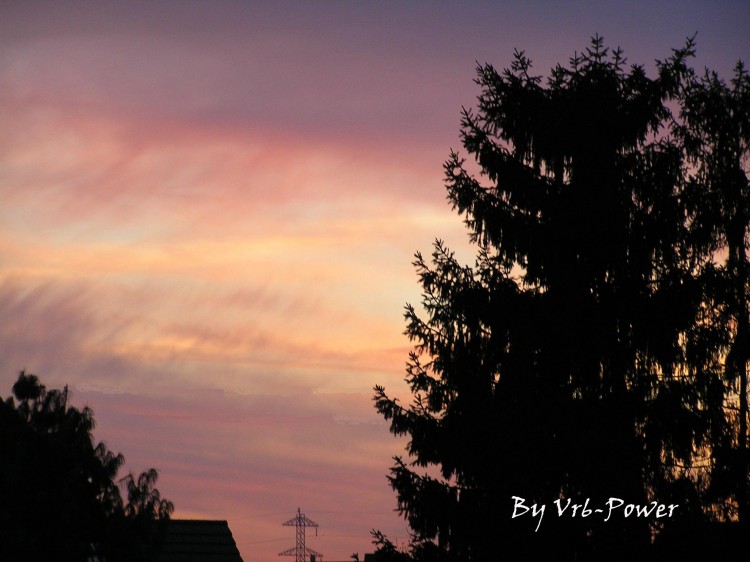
576,358
715,130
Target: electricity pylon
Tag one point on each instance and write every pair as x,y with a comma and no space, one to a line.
300,552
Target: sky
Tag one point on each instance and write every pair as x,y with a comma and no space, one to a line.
208,214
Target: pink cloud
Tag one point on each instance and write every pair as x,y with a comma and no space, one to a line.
162,271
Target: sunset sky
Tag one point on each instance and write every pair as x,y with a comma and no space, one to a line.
208,214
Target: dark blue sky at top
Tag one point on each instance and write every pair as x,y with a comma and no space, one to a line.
352,68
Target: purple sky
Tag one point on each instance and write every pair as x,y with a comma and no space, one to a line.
208,212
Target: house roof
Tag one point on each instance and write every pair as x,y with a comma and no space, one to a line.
187,540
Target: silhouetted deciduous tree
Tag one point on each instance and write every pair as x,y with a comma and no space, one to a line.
59,496
580,357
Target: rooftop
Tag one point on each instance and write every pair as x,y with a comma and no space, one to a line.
187,540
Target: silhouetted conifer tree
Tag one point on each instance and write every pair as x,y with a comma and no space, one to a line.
715,129
579,357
